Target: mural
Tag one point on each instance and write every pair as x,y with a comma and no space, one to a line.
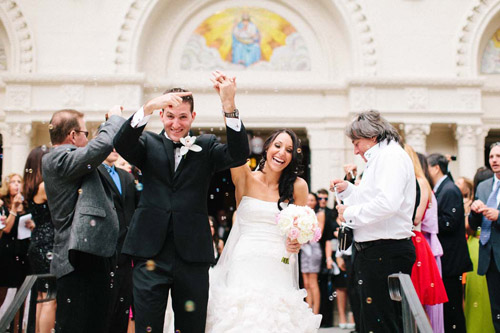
490,63
246,38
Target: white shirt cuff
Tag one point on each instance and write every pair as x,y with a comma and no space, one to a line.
347,192
350,214
234,124
139,119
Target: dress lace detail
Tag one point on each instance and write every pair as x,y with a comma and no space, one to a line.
256,292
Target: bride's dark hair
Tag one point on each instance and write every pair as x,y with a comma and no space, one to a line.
292,171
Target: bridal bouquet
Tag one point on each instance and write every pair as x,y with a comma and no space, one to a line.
300,223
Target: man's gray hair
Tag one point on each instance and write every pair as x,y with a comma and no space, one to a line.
371,124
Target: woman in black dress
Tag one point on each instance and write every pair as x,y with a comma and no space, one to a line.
42,237
13,260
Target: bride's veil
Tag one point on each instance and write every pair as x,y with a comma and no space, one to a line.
219,274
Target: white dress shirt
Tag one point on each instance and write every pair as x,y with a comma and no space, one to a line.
140,119
381,206
439,182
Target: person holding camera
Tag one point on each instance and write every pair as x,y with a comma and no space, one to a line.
379,210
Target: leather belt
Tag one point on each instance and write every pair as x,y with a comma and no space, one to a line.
360,246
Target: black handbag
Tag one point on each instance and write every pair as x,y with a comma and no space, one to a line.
345,237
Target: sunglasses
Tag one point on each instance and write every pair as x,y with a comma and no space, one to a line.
321,199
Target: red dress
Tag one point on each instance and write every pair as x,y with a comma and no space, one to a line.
425,274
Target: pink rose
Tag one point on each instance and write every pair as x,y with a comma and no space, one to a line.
294,233
317,234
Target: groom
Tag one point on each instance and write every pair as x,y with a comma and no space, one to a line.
169,235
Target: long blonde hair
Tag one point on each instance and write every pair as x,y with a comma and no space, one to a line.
419,172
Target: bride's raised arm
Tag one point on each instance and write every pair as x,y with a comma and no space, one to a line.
300,192
239,177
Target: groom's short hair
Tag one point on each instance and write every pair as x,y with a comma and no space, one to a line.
185,99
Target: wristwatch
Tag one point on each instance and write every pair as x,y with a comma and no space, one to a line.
234,114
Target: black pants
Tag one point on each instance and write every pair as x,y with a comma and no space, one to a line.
189,284
378,313
325,280
83,296
493,280
454,319
121,295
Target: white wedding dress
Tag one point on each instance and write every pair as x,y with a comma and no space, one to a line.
251,290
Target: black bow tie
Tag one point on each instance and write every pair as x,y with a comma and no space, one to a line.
177,144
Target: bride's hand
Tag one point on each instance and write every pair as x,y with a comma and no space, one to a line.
292,246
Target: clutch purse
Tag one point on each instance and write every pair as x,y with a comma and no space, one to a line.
345,237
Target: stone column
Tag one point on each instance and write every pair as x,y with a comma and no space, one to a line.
481,138
416,136
467,138
327,155
16,146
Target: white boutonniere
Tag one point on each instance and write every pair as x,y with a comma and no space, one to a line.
188,144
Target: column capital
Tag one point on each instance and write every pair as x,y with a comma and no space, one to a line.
416,136
417,129
469,134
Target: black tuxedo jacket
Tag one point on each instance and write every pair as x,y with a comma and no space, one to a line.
124,203
455,259
489,254
178,198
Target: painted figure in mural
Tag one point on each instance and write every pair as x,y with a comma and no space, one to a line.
490,63
246,42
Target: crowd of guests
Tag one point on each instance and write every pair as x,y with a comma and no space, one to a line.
455,271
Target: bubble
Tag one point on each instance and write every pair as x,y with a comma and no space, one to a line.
149,329
212,196
121,299
360,282
139,187
299,150
334,294
89,166
53,330
432,285
454,327
112,274
111,286
369,300
419,264
231,208
80,191
447,224
189,306
68,300
330,297
85,239
460,277
46,286
418,239
227,194
475,304
223,179
498,316
51,127
453,210
26,170
217,190
44,148
30,170
150,265
17,258
220,128
92,223
211,129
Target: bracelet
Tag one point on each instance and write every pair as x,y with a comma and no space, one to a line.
466,215
329,259
12,213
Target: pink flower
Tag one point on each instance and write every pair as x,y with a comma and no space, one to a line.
317,234
294,233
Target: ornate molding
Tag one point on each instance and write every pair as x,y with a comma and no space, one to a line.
24,44
467,135
416,82
72,94
364,34
468,35
417,98
105,79
363,98
18,97
127,29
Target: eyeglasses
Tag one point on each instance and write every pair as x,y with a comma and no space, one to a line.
322,198
84,132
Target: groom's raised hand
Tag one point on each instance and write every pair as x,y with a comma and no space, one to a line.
166,101
226,88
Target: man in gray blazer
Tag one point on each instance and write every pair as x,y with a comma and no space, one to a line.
484,213
84,218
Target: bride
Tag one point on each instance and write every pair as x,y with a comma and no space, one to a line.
250,289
